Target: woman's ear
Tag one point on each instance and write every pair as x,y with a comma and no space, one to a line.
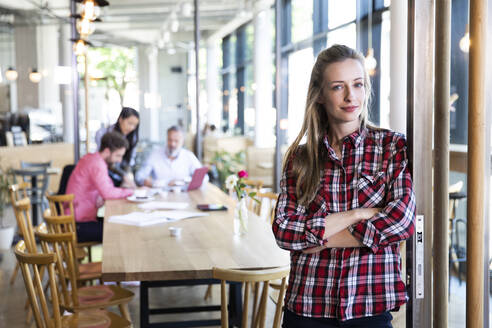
321,99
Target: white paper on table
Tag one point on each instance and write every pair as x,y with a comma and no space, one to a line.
139,218
164,206
149,218
179,215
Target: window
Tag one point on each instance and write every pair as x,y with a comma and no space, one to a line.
341,12
302,20
300,64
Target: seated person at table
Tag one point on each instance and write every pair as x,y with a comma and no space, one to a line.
127,124
169,166
91,185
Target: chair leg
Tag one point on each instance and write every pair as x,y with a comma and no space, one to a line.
14,273
256,293
89,253
208,293
125,312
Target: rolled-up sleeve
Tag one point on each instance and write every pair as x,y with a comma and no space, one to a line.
396,221
296,227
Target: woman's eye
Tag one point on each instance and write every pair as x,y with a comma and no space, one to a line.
336,87
359,85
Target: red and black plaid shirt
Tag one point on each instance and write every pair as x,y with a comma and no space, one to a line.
349,283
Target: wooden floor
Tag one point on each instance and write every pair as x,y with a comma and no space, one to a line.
12,298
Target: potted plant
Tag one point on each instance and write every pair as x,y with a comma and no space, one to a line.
226,164
6,229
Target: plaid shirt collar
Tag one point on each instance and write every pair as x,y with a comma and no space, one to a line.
355,138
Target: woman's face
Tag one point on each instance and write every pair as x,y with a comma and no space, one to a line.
127,125
343,92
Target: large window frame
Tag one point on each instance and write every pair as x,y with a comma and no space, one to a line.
234,67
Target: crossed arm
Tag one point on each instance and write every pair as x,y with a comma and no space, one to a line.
336,231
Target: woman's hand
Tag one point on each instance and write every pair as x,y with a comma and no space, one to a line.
337,222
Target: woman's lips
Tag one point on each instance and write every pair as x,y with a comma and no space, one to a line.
350,109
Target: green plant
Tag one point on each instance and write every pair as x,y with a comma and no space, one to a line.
4,193
227,164
113,67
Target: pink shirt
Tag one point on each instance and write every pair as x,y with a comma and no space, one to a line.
91,185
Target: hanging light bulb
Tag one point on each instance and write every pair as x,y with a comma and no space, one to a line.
80,48
174,22
187,9
465,40
11,74
371,62
90,10
171,51
85,28
166,36
35,76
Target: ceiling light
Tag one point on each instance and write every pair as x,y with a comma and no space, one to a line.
371,62
171,51
166,36
465,40
11,74
35,76
174,25
80,48
85,27
187,9
90,10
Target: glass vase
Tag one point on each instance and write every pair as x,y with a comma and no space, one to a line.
241,217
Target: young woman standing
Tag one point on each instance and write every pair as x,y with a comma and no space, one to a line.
345,205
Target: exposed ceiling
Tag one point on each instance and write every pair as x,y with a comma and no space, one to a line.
131,22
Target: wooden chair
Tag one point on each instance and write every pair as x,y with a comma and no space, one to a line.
248,278
272,202
65,223
57,203
253,186
17,192
31,265
78,299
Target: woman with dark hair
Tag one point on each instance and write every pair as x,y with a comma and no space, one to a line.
127,124
346,202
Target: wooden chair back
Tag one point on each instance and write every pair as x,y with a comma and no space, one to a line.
62,245
249,278
22,211
58,204
18,191
256,185
270,199
31,267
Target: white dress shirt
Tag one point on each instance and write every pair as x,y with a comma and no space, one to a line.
164,170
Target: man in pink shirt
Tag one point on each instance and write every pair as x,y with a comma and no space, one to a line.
91,185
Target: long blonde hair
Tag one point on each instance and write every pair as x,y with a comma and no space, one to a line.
307,160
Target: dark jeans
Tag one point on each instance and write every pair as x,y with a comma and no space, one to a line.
90,231
292,320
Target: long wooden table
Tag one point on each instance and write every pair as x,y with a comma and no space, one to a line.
151,255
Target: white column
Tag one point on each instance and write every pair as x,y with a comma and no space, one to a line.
154,91
263,59
398,66
149,93
214,113
65,59
25,59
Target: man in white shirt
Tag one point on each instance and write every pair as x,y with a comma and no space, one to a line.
169,166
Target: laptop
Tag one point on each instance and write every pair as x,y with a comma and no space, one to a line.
197,178
195,183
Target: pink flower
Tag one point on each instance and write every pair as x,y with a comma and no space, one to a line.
242,174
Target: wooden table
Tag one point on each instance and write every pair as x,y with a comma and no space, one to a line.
150,254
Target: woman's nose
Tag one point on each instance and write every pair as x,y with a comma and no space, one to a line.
349,94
